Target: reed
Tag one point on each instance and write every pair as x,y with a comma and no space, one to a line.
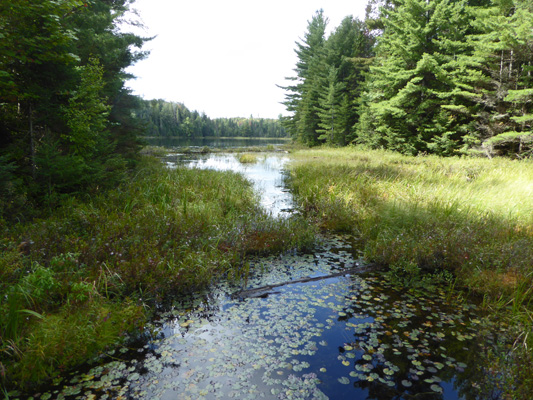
247,158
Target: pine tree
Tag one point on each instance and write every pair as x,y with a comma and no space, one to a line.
329,110
64,118
417,92
349,52
303,97
504,50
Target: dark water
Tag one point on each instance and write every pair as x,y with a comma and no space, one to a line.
354,336
219,143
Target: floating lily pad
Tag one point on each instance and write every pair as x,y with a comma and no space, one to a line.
436,388
344,380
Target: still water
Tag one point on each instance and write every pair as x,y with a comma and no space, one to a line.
266,175
349,335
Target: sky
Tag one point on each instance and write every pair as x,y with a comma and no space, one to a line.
225,57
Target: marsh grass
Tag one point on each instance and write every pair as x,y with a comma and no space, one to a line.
423,215
247,158
156,151
69,280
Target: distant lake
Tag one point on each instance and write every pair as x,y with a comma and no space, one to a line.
214,142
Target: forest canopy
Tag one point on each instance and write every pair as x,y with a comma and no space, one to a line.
65,115
416,76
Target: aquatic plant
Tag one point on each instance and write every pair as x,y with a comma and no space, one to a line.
247,158
336,337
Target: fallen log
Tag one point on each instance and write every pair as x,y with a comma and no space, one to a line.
266,290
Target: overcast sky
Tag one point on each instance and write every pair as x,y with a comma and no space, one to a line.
225,57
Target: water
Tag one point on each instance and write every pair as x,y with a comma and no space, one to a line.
350,336
266,175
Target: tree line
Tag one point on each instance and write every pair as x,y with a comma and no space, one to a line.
165,119
65,115
446,77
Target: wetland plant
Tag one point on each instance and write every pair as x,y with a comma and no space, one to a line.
468,217
90,273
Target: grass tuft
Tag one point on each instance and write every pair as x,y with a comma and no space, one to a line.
247,158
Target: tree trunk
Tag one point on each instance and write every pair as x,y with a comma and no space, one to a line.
511,65
501,68
32,144
264,291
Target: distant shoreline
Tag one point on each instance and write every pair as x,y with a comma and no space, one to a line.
218,137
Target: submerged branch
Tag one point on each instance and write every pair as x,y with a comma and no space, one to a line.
264,291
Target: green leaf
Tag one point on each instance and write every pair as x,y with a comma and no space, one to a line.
31,312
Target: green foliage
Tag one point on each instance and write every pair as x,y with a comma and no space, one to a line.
329,76
68,338
65,120
331,128
448,77
415,97
430,219
87,112
40,285
247,158
503,49
304,94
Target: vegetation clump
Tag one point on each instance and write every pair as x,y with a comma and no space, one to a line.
247,158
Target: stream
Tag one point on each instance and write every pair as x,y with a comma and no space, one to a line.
353,335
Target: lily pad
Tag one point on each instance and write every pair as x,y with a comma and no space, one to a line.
436,388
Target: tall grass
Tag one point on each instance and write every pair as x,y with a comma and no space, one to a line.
75,282
471,217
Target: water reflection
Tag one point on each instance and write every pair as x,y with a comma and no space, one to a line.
266,174
351,337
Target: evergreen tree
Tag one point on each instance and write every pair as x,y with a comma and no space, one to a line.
417,90
329,110
303,97
504,51
323,100
34,48
349,52
65,118
164,119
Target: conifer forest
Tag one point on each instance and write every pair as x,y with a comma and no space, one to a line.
441,77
